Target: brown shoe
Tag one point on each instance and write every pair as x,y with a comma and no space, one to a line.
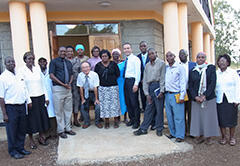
99,125
77,124
85,126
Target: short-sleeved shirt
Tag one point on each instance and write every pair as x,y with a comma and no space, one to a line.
107,75
13,89
57,68
93,80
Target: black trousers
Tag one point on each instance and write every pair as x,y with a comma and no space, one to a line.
16,127
142,96
131,99
187,106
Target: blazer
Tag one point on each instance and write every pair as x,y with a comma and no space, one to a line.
191,65
194,83
142,66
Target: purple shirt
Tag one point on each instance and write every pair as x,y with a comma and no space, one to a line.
93,61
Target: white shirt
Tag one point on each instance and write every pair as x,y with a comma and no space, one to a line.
34,81
133,69
228,83
13,89
144,58
185,65
93,80
48,86
175,79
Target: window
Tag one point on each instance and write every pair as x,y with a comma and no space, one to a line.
86,29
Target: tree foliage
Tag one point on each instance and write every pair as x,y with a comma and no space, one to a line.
226,27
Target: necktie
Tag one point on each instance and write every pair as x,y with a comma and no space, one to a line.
125,67
86,88
66,74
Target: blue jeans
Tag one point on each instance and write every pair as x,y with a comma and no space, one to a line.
85,110
175,116
153,111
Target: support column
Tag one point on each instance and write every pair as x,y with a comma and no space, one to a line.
183,26
39,28
206,47
19,31
197,39
170,21
212,51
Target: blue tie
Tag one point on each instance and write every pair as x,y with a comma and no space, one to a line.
125,67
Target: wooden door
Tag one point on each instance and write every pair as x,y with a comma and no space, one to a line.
53,45
108,42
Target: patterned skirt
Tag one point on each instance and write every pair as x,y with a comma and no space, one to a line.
109,101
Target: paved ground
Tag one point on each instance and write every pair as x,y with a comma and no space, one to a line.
95,145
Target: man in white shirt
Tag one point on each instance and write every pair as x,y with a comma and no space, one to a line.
13,97
132,74
88,82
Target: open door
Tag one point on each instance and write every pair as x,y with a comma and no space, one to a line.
53,45
108,42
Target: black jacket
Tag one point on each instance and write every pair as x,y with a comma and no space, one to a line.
142,66
194,82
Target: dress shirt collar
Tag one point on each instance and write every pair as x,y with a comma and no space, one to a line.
9,72
174,65
222,72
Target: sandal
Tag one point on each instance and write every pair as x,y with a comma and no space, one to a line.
116,125
232,142
223,141
106,125
42,141
33,146
199,140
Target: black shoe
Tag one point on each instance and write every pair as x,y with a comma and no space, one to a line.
139,132
179,140
170,136
24,152
18,156
135,126
129,123
70,132
159,133
153,128
62,135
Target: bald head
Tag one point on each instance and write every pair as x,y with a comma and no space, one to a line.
183,55
9,63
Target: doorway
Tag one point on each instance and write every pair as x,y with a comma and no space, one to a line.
105,36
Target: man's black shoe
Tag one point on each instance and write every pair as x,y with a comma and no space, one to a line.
139,132
129,123
179,140
135,126
153,128
159,133
170,136
18,156
24,152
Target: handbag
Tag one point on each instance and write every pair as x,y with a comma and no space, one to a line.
177,97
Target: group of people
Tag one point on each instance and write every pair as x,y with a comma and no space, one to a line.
197,98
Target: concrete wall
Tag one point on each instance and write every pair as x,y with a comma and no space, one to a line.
5,43
148,30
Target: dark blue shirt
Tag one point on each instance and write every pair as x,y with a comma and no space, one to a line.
57,69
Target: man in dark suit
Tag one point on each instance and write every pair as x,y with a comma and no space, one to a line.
188,65
143,56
